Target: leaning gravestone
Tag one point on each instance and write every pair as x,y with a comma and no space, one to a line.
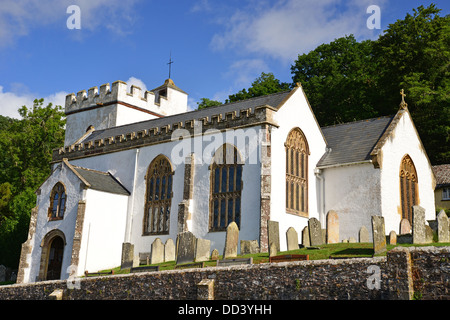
202,250
405,226
378,234
185,247
364,235
291,239
231,241
443,230
274,233
157,253
332,227
169,250
305,237
315,232
418,225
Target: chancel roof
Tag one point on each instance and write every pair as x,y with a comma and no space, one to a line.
442,173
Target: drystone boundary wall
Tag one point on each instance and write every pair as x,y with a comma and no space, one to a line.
405,273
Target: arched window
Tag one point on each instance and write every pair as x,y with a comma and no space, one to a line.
158,198
297,152
409,188
226,187
57,202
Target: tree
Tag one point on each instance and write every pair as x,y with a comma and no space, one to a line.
339,80
205,103
26,146
265,84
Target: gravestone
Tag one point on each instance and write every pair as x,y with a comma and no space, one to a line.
215,254
332,227
157,253
442,227
315,232
418,225
428,234
305,237
202,250
169,250
274,233
291,239
185,247
231,241
392,237
127,255
352,240
249,246
378,234
273,250
405,226
364,234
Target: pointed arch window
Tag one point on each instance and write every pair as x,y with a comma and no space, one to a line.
409,187
226,188
57,202
158,196
297,152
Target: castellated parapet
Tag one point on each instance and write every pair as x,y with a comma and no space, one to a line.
114,106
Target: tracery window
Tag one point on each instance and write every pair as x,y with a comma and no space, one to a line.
226,187
57,202
158,196
409,189
297,152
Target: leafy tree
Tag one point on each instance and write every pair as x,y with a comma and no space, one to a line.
26,146
205,103
263,85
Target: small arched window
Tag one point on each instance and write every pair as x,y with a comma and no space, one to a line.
158,196
297,152
409,187
57,202
226,187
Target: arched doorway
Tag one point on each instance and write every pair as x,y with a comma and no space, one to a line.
55,258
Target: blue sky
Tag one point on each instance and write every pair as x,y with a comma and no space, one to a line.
218,47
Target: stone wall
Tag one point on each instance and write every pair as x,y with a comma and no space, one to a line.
405,273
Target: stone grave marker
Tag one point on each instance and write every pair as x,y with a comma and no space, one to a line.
315,232
443,230
364,235
428,234
249,246
273,250
231,241
378,234
215,254
393,237
332,227
291,239
127,255
202,250
185,247
405,226
418,225
157,253
169,250
305,237
274,233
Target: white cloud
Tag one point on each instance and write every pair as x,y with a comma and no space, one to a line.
244,71
284,29
11,102
19,17
136,82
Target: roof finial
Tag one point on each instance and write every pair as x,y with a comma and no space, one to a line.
403,104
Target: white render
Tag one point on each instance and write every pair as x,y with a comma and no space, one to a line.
356,191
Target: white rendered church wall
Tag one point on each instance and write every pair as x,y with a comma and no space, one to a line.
353,191
66,225
294,113
403,140
103,231
126,115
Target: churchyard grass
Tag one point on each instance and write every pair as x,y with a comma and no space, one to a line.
326,251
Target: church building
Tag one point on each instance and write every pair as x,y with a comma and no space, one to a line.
137,166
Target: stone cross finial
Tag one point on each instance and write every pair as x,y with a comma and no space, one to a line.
403,104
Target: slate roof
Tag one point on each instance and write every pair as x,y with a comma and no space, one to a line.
274,100
442,173
352,142
101,181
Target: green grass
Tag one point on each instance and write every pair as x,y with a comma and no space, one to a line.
338,250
